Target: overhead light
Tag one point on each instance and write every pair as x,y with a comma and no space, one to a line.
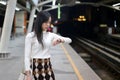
35,16
103,25
116,4
80,18
3,2
53,3
17,8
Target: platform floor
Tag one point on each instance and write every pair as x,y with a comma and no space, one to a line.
67,64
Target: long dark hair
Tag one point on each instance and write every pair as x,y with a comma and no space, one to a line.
42,17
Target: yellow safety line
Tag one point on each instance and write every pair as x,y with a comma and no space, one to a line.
72,63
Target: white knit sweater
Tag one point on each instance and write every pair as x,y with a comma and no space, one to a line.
33,49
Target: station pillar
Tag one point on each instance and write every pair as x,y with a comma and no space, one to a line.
31,19
7,26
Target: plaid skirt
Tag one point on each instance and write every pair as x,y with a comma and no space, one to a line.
42,69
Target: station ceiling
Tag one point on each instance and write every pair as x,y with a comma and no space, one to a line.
107,2
23,3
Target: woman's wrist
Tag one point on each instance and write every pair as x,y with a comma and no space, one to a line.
27,73
62,40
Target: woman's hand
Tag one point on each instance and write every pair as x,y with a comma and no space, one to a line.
28,77
57,41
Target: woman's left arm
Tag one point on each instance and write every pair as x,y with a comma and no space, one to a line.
60,39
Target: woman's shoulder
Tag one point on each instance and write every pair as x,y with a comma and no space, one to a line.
30,35
51,33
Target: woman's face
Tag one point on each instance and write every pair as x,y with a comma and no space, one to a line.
45,25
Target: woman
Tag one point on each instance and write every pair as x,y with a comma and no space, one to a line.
37,46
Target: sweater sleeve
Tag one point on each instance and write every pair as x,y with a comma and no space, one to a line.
66,39
27,52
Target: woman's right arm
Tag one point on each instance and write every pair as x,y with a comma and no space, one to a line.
27,56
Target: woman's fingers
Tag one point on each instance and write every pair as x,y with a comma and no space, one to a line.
57,41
